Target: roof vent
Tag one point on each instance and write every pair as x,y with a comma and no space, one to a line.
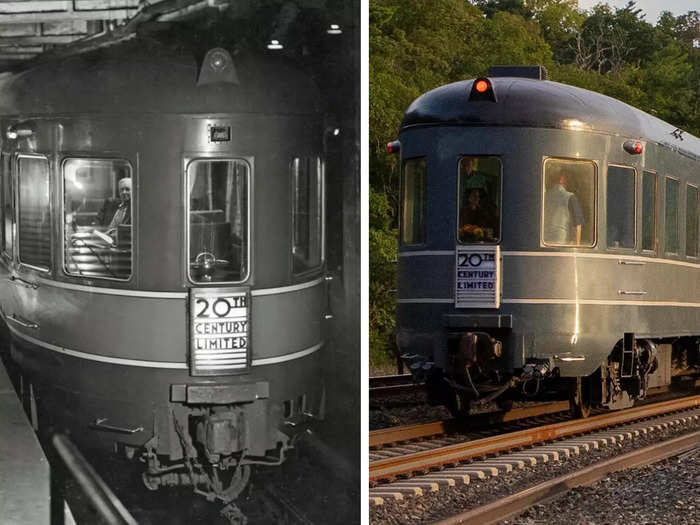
536,72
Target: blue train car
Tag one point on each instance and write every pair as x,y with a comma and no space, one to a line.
548,244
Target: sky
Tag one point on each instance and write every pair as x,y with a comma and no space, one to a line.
652,8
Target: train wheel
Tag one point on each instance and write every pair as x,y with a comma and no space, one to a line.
580,399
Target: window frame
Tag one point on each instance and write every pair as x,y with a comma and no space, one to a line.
321,171
636,202
402,243
134,191
679,230
17,245
7,175
596,196
697,220
655,226
500,201
189,160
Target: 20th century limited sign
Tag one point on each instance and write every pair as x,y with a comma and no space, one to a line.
478,277
219,331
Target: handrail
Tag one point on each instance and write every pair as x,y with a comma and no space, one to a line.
101,497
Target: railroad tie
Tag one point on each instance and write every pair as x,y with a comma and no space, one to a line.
426,485
508,460
456,477
386,494
443,481
502,467
475,473
530,459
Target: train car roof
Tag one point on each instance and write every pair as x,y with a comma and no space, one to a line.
541,103
147,76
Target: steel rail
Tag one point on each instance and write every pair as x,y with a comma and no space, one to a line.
385,436
377,392
425,460
380,381
521,501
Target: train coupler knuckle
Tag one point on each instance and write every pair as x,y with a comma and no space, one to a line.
221,434
479,348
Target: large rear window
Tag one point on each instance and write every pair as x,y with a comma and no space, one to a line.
479,200
218,220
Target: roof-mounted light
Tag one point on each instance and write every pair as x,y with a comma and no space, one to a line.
393,147
334,29
275,44
633,147
482,90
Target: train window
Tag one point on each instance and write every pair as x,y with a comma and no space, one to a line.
479,200
307,213
413,201
569,202
218,220
8,208
97,218
34,228
672,201
691,222
620,207
649,211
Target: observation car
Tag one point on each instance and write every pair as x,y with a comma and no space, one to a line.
548,245
181,321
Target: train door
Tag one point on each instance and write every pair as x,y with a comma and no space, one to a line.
218,197
31,247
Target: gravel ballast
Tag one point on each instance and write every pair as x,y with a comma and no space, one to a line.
664,492
447,502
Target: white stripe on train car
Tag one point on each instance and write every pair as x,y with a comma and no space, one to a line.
168,295
154,364
573,255
532,300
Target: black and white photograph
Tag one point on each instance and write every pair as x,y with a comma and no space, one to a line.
180,262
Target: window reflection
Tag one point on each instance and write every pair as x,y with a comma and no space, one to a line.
306,213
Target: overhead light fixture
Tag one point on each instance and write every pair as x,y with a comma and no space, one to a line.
334,29
275,44
14,132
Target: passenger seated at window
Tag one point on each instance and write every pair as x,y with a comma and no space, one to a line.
478,221
563,221
117,212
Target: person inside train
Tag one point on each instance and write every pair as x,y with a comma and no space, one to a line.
478,221
471,178
563,221
117,212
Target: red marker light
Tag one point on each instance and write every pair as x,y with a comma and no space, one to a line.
633,147
481,86
393,147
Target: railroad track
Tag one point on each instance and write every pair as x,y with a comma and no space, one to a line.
388,386
397,435
413,473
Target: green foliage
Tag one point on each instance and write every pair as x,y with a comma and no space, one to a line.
417,45
382,285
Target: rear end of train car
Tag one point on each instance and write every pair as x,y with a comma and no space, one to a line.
162,265
548,245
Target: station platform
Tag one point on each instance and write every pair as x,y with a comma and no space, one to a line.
25,483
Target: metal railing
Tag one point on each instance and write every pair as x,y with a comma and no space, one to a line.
69,461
